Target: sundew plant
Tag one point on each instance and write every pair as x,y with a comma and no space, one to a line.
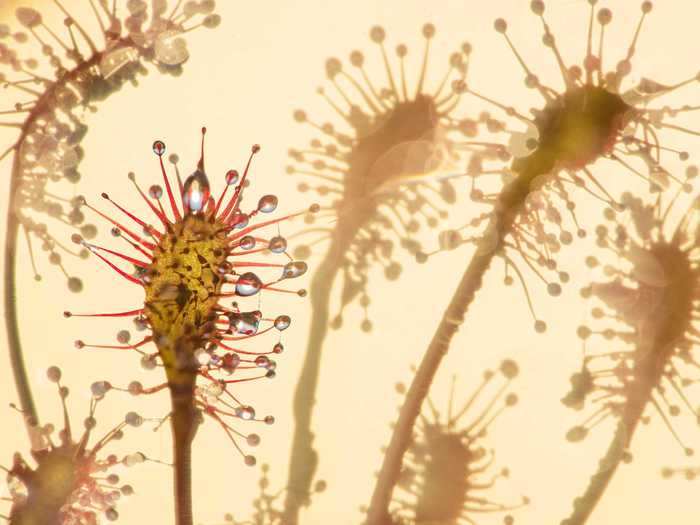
390,263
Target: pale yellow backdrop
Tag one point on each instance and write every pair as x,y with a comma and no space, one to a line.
243,82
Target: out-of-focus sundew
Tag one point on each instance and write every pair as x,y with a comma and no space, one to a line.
448,472
55,75
641,347
49,98
383,170
597,118
590,120
74,481
264,61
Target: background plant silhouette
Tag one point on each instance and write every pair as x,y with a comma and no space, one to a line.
80,72
243,80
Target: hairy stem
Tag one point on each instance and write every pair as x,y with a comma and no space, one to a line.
304,458
509,203
584,506
14,345
453,317
648,371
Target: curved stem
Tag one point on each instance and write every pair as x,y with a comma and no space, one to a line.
509,203
304,458
378,513
14,345
648,372
42,106
584,506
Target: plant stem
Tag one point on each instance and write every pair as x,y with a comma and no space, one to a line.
14,345
584,506
453,317
42,106
183,429
304,458
509,203
649,371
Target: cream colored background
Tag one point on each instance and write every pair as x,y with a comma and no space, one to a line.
243,81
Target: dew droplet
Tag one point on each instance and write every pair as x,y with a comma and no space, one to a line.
212,390
294,269
246,412
245,323
28,17
277,244
231,177
231,361
202,356
75,284
267,203
113,479
576,434
140,322
134,459
133,419
159,148
253,440
54,374
282,322
247,242
123,336
100,388
196,192
449,239
238,220
262,361
155,191
170,48
148,362
554,289
248,284
278,348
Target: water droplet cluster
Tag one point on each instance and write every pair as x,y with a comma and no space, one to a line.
203,253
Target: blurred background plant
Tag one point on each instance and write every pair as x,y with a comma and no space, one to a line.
258,61
640,349
385,173
56,76
73,482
